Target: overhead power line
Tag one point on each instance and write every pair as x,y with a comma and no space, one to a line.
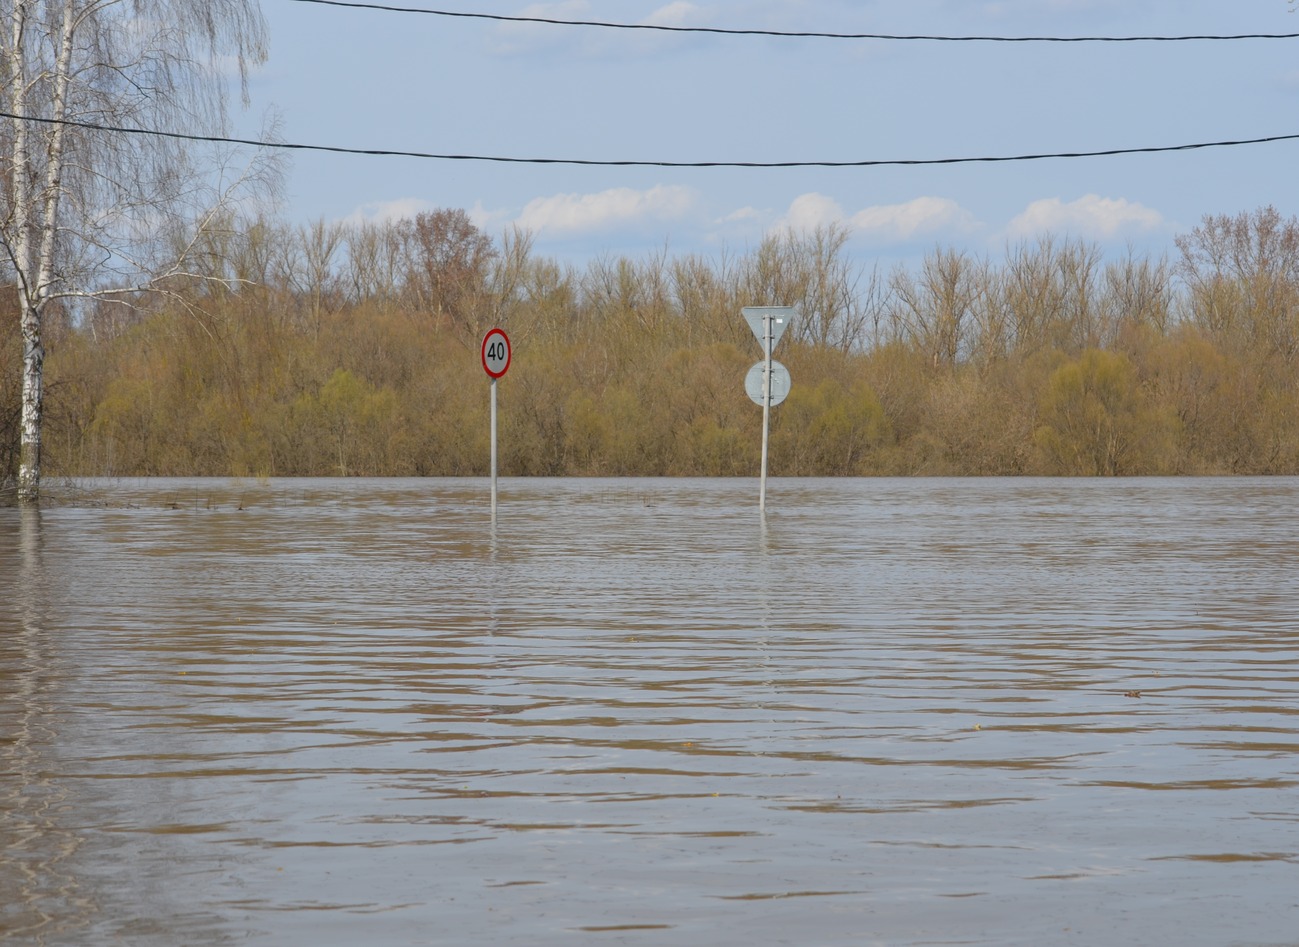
648,163
503,18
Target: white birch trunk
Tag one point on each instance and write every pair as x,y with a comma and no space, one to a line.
35,238
58,51
22,258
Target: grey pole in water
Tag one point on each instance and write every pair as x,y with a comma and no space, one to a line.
493,451
766,408
768,324
496,362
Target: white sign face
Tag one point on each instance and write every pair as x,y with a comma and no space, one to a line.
496,353
780,382
759,317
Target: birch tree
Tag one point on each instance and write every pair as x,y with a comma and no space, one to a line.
91,213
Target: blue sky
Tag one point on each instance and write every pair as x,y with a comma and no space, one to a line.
402,81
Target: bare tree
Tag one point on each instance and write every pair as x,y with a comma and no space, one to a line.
1137,293
1049,289
449,259
309,266
835,310
809,270
508,276
1242,276
87,213
936,310
373,262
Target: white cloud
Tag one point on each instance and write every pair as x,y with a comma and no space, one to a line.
1004,8
743,215
1089,216
564,10
522,37
922,217
380,212
576,214
488,220
809,211
529,38
405,208
679,13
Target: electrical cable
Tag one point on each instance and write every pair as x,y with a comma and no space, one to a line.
503,18
644,163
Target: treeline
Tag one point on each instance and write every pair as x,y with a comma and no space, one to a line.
335,349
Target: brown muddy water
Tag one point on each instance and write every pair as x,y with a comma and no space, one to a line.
636,712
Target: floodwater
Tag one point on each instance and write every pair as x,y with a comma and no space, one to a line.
339,712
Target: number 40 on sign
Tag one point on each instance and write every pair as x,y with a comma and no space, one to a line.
496,362
496,353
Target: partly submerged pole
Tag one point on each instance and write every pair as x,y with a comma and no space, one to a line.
767,382
493,450
766,408
496,354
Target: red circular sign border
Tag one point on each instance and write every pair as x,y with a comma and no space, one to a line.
509,352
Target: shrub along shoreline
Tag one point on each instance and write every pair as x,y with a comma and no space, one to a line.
353,350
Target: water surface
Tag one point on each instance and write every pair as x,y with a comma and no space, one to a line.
637,712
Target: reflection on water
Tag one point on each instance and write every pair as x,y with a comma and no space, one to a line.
38,889
636,712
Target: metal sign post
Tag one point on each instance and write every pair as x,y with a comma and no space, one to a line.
496,362
493,450
766,409
768,324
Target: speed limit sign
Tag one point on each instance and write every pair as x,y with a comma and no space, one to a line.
496,353
496,361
